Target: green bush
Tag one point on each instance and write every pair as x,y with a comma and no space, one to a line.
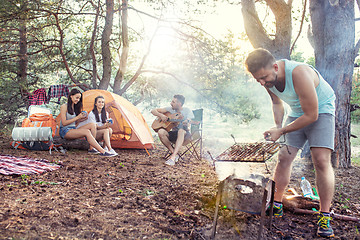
355,97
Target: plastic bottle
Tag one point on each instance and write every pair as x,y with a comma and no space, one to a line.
306,188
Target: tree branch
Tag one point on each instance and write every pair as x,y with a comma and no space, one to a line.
356,49
253,26
138,72
301,25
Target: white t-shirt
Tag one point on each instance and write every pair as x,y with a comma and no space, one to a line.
92,119
185,112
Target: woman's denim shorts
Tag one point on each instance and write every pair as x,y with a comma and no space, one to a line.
64,130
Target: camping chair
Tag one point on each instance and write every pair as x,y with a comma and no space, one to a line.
194,147
196,136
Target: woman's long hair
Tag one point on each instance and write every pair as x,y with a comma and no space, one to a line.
96,113
77,107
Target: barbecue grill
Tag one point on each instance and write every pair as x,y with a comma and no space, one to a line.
249,152
247,195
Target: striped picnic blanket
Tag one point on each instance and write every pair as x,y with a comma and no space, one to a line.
11,165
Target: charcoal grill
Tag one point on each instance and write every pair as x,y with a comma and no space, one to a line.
233,192
249,152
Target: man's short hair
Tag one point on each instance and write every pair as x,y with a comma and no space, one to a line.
258,59
180,98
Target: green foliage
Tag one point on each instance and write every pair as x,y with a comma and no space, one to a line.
311,61
355,97
355,161
25,179
297,56
211,69
218,68
41,59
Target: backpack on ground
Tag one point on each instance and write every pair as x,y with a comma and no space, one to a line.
36,133
40,120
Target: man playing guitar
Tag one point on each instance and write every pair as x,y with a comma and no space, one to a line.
179,134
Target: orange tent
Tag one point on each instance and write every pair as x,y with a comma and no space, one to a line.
130,129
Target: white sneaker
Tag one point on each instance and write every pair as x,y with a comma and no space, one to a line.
170,162
112,151
107,154
106,149
177,158
93,151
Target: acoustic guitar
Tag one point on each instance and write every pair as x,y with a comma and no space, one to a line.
173,120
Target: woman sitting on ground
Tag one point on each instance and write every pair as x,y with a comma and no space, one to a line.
101,118
71,113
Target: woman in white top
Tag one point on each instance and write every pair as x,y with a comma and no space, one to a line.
99,116
70,114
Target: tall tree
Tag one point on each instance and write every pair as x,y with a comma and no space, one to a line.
124,42
278,44
333,30
105,45
78,41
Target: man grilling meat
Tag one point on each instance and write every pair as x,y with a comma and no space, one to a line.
312,118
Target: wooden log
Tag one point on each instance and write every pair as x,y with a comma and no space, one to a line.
79,143
334,215
297,201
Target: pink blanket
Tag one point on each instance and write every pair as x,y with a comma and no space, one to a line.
11,165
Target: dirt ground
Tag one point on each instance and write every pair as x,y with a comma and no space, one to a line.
136,196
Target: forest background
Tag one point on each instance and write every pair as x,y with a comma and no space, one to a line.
147,51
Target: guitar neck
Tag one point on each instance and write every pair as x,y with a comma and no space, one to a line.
176,120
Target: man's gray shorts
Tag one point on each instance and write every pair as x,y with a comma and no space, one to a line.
319,134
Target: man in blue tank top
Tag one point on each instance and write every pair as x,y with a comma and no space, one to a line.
312,118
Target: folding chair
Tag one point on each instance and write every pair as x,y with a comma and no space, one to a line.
194,147
196,137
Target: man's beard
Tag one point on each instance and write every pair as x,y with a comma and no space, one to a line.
271,83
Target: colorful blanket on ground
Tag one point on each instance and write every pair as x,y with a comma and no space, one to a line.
11,165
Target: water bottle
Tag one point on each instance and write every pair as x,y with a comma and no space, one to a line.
306,188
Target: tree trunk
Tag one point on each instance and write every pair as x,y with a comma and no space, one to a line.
23,58
333,29
125,47
105,45
92,46
279,45
62,52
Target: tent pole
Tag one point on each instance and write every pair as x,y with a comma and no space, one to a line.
147,151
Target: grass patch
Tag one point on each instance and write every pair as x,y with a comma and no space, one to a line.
355,161
6,130
355,130
355,144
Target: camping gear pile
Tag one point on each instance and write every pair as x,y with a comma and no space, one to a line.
36,131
